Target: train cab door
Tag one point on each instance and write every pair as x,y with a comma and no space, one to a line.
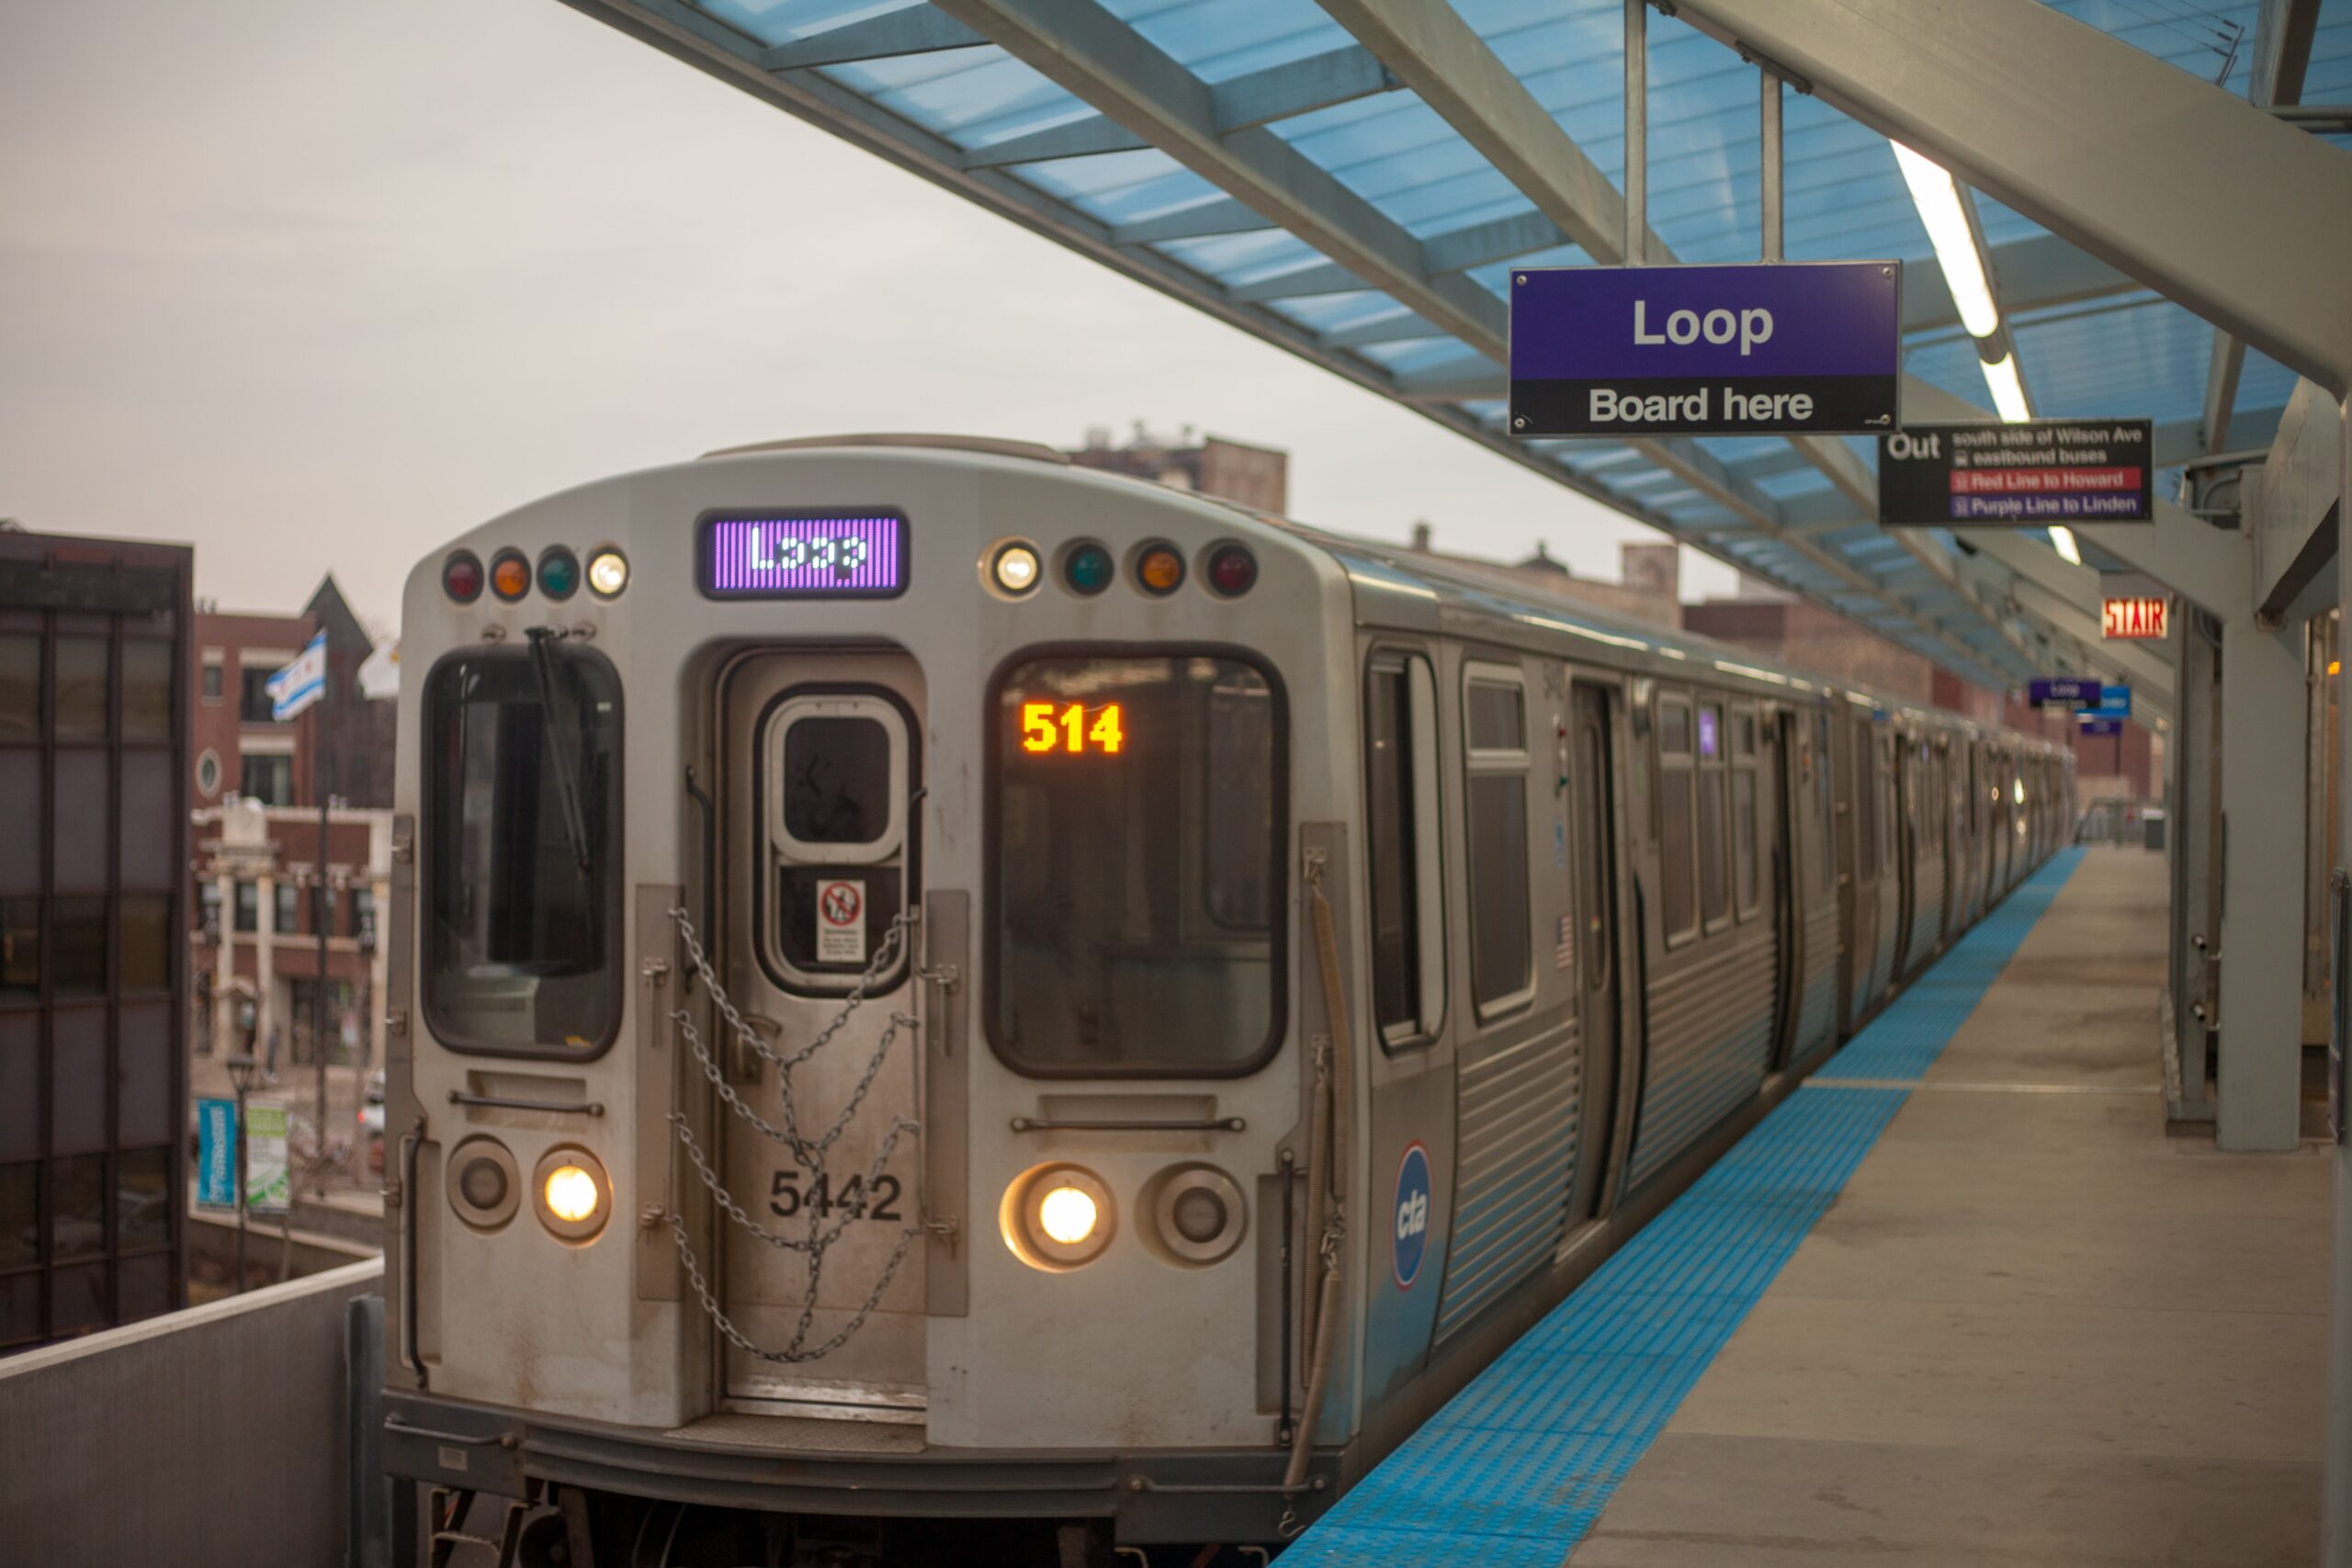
1593,800
822,767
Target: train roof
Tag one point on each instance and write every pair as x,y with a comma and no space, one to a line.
1409,591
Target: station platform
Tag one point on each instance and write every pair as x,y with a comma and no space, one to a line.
1960,1299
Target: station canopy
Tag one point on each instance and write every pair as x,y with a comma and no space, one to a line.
1354,180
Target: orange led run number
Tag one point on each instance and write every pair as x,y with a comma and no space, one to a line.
1046,727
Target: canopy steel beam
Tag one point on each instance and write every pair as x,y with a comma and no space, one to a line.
917,30
1238,102
2123,153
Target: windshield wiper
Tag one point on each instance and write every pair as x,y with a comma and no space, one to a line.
575,825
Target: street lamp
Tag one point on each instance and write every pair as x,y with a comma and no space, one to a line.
240,1078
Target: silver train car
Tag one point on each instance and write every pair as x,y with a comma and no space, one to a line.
949,1007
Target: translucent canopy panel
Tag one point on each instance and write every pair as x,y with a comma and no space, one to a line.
1256,158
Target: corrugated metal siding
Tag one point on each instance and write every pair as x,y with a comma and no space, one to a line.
1710,1041
1927,914
1818,1013
1520,1108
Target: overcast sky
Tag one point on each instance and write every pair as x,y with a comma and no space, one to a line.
317,285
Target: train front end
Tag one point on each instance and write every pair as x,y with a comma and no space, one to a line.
850,975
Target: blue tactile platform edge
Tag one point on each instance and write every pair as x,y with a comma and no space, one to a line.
1516,1466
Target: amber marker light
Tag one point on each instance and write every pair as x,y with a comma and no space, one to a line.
608,573
510,575
1160,570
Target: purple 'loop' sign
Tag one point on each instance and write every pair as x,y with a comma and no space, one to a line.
805,555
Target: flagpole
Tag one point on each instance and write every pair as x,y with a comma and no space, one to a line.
321,913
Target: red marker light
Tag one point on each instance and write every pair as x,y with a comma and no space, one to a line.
461,578
1233,570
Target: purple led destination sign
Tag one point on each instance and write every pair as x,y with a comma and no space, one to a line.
833,555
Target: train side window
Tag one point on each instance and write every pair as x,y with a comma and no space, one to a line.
521,851
1502,961
1865,800
1746,885
1402,833
1715,888
1825,802
1677,908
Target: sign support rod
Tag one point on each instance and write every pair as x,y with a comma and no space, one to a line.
1769,114
1637,141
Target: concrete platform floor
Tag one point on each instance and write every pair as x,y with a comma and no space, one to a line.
2034,1330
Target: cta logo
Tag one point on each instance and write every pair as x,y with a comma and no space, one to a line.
1409,1239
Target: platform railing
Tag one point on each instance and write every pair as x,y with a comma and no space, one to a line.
223,1435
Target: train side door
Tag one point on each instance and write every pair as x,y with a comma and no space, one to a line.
821,768
1593,799
1787,891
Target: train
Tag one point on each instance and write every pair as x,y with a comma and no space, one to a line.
944,1006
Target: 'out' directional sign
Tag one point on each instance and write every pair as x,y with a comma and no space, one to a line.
1781,348
2027,475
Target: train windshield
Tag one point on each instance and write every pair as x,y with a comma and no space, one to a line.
522,828
1137,864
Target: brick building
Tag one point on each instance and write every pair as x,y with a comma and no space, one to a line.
94,724
255,942
237,748
1253,476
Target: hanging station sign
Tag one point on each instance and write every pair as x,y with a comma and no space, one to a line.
2139,619
2063,691
2028,475
1781,348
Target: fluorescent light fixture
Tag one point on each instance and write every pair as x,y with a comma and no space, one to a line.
2062,540
2008,392
1939,203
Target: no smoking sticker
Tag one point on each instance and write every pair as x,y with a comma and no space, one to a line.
841,920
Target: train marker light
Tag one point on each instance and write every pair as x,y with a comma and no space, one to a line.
462,577
608,573
510,575
558,573
1067,1215
1160,570
1233,570
1088,569
1015,568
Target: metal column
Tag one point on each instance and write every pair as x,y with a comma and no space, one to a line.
2335,1509
2260,1088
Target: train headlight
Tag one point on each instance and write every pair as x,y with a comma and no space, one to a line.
571,1193
608,573
1058,1217
1198,1212
1067,1215
485,1186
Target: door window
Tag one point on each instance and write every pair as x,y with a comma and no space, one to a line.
1400,808
835,775
1502,959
